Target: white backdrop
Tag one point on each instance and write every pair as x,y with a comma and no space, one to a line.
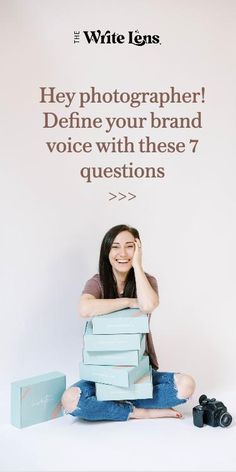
53,222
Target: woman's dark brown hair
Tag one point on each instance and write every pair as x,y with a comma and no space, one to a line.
105,269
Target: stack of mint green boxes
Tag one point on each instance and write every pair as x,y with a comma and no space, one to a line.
114,355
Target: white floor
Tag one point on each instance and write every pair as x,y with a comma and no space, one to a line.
69,444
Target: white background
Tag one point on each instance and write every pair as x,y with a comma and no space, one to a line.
53,221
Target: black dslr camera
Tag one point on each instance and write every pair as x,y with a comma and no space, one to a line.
211,412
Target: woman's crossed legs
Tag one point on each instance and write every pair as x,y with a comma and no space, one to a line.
169,389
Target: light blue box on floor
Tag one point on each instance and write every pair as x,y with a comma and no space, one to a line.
37,399
110,342
115,357
128,320
143,388
122,376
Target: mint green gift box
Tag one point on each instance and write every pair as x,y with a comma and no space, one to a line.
122,376
37,399
110,342
128,320
142,388
115,357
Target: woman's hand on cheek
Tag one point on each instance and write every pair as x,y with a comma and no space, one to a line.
137,257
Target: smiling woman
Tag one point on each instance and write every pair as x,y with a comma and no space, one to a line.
122,283
120,257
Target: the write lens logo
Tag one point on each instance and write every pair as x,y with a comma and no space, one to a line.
108,37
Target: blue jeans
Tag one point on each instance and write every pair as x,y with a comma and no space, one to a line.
90,409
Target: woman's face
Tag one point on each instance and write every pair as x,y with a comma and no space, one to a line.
121,252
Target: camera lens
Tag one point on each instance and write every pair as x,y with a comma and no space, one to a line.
225,420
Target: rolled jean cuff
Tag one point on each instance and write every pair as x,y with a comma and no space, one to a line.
130,408
91,410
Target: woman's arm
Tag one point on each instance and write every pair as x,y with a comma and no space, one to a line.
148,299
90,306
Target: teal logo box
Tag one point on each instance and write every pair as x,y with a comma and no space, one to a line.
37,399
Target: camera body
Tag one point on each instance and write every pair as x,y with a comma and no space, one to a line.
211,412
